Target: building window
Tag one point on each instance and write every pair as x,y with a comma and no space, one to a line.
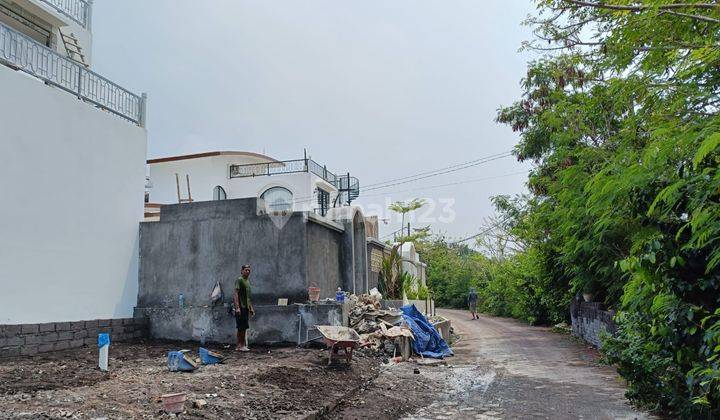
278,199
323,201
219,193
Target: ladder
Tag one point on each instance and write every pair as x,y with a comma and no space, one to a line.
177,183
74,52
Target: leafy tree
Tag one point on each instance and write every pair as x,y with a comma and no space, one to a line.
621,121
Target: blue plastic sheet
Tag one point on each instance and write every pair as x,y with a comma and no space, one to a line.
208,357
103,339
177,362
428,341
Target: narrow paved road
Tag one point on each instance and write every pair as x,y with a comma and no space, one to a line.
506,369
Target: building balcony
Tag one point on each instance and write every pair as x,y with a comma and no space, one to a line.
79,11
348,187
20,52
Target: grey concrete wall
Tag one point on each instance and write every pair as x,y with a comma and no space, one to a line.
271,324
195,245
589,319
31,339
324,259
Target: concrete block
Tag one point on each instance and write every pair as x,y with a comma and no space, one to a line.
62,345
49,337
9,352
76,343
128,321
80,334
90,341
66,335
9,330
44,348
91,324
47,327
77,325
33,339
62,326
29,328
15,341
104,322
29,350
116,322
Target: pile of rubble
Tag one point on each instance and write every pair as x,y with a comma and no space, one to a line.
381,331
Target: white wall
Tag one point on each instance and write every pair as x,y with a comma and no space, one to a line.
72,180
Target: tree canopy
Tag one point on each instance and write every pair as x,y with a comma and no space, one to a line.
620,118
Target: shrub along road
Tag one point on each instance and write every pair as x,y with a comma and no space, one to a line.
506,369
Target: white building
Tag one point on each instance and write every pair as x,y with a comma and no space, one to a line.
72,170
297,185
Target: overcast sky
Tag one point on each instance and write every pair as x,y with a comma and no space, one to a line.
382,89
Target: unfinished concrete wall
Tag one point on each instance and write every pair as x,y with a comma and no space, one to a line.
324,259
194,245
271,324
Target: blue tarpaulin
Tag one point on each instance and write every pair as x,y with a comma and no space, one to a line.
428,341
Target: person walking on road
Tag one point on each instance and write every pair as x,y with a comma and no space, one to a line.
472,303
243,307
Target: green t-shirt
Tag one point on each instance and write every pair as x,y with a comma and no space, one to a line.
243,288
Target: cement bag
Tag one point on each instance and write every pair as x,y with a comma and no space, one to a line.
216,295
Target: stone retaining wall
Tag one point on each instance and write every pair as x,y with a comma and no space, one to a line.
31,339
589,319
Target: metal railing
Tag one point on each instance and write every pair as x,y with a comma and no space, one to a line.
283,167
77,10
349,186
21,52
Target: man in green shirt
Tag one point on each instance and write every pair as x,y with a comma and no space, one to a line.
243,307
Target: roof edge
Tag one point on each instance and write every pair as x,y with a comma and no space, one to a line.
210,154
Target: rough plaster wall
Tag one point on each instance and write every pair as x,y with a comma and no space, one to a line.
270,325
195,245
324,259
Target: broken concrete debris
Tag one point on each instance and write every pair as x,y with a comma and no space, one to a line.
381,331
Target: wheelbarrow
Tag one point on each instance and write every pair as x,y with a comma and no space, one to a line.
336,338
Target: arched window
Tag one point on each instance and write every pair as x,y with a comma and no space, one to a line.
219,193
278,199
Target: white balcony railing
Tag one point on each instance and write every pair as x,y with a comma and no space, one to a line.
77,10
21,52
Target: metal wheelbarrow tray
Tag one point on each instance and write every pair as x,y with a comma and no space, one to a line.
336,338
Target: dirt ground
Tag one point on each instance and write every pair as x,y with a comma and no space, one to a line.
265,383
502,369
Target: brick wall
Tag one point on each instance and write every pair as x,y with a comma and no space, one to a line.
30,339
589,319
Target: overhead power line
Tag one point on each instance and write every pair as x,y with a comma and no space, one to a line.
436,170
429,175
467,181
483,232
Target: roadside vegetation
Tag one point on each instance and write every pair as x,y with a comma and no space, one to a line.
620,120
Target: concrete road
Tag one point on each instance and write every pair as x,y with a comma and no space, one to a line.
506,369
